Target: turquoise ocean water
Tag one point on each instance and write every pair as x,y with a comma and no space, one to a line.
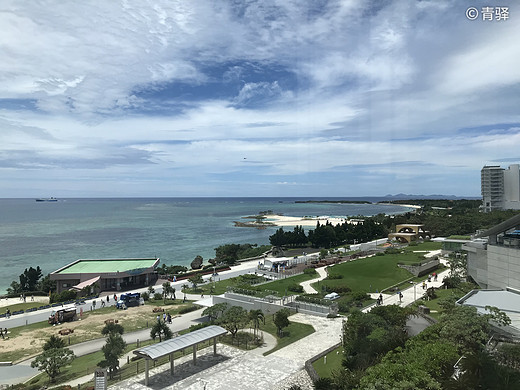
53,234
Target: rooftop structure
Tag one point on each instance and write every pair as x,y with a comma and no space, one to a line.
169,347
494,256
107,274
409,233
507,301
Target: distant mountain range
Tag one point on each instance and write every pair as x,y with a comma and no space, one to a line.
408,196
389,197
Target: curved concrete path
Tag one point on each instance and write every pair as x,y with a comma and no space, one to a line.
307,288
414,292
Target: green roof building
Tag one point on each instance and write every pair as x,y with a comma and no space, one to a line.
109,274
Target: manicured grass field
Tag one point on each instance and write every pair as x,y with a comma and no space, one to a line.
377,272
368,275
435,309
334,359
425,246
282,286
294,332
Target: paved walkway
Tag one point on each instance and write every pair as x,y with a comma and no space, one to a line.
236,369
412,293
307,284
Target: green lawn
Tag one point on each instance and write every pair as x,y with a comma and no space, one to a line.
333,362
368,275
425,246
377,272
294,332
433,305
282,286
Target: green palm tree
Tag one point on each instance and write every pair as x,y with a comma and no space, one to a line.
161,330
256,316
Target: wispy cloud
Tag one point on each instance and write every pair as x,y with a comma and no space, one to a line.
363,98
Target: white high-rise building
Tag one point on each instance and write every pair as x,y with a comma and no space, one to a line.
500,187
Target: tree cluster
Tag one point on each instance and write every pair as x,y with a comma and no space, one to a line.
30,281
328,235
294,238
230,253
171,269
455,217
234,318
379,356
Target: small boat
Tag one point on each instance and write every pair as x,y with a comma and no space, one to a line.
51,199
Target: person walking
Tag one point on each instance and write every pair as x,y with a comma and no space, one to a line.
381,298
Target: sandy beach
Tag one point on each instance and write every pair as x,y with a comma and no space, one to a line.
411,206
282,220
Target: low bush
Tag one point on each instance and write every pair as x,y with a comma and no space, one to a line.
188,309
63,296
309,271
360,296
295,288
336,289
199,326
334,276
157,296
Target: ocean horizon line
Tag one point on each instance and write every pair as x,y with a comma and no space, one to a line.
305,197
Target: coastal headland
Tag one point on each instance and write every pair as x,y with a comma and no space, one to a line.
282,220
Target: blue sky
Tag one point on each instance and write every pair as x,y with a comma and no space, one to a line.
255,98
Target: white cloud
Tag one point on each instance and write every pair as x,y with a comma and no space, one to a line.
370,87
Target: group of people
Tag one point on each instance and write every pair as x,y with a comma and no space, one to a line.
379,300
167,318
434,276
23,297
3,333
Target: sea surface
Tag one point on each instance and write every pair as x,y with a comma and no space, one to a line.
53,234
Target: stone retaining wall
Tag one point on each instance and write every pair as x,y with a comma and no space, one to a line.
308,364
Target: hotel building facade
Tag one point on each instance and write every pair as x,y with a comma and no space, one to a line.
500,187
